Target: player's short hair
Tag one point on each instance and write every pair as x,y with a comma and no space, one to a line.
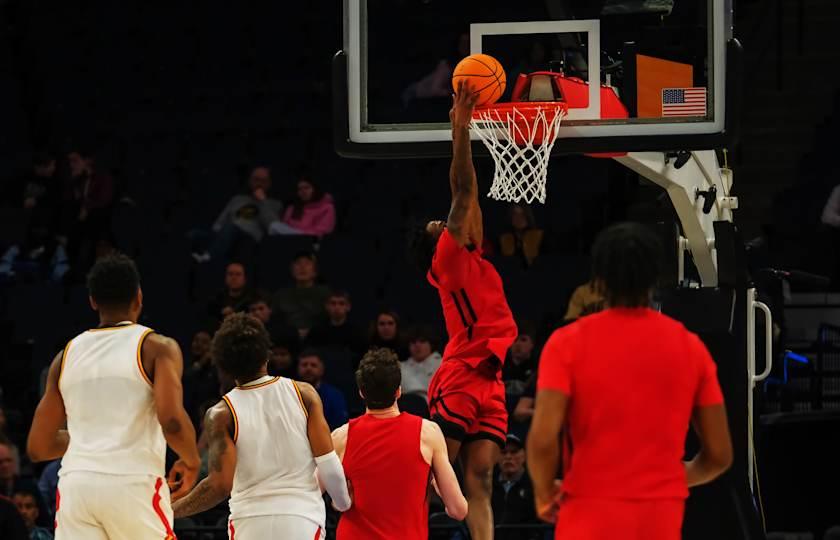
626,261
241,346
421,247
378,378
113,281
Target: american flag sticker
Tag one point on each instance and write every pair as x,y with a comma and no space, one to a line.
683,102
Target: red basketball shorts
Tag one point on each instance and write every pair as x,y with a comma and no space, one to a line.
584,518
468,403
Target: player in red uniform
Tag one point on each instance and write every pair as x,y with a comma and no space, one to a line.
466,394
623,386
388,457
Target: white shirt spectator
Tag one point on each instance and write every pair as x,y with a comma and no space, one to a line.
416,375
831,212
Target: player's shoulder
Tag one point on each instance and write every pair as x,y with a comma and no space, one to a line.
430,430
157,339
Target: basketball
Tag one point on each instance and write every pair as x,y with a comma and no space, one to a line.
484,74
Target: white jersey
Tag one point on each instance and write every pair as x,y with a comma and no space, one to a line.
275,468
110,404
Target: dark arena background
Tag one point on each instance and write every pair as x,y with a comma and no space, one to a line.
210,142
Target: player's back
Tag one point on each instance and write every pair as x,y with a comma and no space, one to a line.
478,319
275,468
390,479
634,377
109,402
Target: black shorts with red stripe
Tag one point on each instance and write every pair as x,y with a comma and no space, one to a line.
468,403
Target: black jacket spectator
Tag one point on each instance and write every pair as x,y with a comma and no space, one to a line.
385,333
337,331
513,494
279,330
12,526
302,305
234,298
201,380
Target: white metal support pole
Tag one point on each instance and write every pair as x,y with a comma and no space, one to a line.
697,174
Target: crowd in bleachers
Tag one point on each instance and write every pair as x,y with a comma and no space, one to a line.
209,161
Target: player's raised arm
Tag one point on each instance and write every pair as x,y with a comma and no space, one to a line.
216,487
464,222
444,474
47,437
330,472
163,360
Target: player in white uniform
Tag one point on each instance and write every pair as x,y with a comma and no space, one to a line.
118,390
266,438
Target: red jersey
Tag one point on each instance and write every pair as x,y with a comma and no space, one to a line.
633,378
478,319
390,480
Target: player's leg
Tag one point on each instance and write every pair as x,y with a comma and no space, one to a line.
478,458
72,517
452,404
286,526
482,447
136,508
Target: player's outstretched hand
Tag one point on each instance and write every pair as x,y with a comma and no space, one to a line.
181,479
463,103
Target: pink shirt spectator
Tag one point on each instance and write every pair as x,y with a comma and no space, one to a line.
317,218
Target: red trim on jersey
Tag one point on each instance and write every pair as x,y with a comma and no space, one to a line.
232,530
317,534
57,506
170,535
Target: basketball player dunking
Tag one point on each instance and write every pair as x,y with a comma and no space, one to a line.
388,457
266,438
466,395
118,389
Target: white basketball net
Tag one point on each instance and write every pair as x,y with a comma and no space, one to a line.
520,169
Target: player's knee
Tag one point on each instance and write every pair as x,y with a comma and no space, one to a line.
479,477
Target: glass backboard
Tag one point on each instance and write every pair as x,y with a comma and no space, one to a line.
672,64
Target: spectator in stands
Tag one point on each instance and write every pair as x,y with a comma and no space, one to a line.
524,239
312,212
337,331
422,362
524,410
7,436
245,218
279,330
303,304
521,362
513,495
11,482
831,210
12,526
201,381
39,196
311,370
27,505
88,205
385,333
281,363
584,301
235,297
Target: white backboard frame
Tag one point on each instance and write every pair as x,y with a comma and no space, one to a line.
355,35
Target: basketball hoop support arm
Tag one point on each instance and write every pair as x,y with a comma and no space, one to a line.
700,182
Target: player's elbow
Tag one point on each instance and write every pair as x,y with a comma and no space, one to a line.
720,457
459,510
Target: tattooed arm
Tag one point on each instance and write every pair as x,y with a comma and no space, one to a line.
218,427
